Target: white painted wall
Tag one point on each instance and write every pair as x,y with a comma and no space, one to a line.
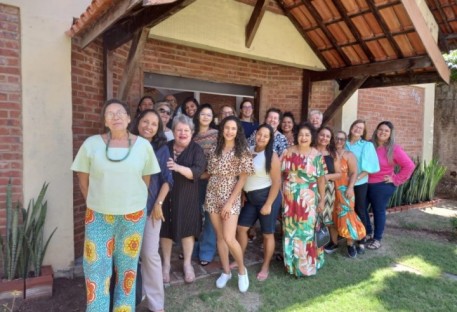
429,117
220,26
47,116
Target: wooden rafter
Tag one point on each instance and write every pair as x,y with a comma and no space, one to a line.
131,65
373,69
407,79
342,11
384,27
325,30
443,16
427,39
342,98
254,21
147,17
120,9
311,44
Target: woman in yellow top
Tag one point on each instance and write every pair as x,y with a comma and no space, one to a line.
114,169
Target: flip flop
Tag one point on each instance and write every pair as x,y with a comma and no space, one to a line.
262,276
204,262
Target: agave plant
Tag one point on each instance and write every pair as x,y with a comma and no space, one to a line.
421,186
12,246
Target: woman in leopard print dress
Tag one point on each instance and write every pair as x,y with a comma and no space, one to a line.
229,164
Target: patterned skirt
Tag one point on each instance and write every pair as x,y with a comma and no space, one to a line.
329,202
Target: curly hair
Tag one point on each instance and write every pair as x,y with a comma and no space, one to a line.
241,145
159,139
312,130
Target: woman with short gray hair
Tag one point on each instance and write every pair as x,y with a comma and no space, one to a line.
181,206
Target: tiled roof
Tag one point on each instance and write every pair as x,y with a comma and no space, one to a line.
94,11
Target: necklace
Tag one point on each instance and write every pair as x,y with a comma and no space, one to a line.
340,154
107,147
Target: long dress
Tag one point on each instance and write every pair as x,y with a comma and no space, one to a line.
345,219
300,174
180,208
329,191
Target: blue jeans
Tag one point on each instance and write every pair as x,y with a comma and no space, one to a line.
205,248
378,196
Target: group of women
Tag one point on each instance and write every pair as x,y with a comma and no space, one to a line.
145,188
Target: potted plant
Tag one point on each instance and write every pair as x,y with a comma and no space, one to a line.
11,285
26,261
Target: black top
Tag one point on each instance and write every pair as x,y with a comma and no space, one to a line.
330,164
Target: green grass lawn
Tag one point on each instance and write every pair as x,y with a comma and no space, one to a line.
368,283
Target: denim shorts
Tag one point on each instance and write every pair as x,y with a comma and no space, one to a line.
251,210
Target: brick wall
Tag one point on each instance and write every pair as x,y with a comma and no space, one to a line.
403,106
217,101
10,107
87,97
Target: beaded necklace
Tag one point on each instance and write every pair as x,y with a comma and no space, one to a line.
107,147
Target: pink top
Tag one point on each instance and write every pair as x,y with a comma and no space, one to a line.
400,158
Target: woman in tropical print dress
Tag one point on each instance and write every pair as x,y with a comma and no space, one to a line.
346,222
302,169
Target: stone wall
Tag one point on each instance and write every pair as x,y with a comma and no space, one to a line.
444,136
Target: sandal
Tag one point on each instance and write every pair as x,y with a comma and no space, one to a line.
189,274
375,244
262,276
181,256
204,262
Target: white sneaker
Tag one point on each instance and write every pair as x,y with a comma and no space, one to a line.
243,281
223,279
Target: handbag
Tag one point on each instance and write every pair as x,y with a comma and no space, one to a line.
321,233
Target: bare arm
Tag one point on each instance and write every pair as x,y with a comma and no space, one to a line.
83,183
157,213
147,179
275,174
225,213
185,171
321,190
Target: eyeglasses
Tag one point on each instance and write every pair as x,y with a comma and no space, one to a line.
111,115
164,111
340,139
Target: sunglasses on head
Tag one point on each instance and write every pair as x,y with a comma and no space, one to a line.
164,111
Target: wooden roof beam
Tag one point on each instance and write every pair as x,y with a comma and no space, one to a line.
402,80
147,17
131,65
373,69
342,98
427,39
119,10
254,21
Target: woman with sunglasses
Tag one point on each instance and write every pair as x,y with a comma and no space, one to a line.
346,223
165,111
206,136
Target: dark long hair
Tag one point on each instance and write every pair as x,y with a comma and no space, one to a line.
291,116
269,147
188,99
241,146
331,148
390,144
196,118
159,139
312,130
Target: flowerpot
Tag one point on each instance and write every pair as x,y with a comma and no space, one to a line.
41,286
11,289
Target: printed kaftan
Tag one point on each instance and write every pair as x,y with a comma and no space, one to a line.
300,200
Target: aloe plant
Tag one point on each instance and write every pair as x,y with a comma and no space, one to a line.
422,184
24,246
12,246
